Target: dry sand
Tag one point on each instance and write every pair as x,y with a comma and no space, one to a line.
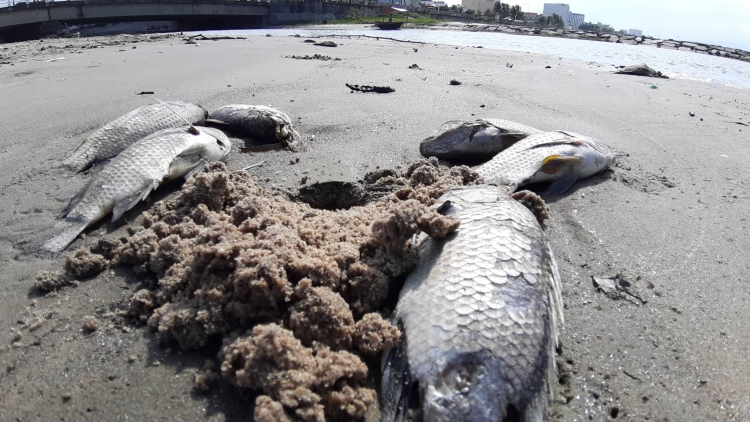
671,218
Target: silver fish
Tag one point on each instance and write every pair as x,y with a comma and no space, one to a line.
476,140
260,123
132,175
478,315
559,157
126,130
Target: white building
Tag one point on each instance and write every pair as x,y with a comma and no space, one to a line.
561,9
573,20
576,20
636,32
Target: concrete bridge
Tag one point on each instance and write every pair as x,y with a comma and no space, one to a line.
27,21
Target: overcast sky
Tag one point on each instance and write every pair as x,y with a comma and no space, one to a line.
722,22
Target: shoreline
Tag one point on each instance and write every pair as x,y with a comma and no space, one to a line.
645,40
665,218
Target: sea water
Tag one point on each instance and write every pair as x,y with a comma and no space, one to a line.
673,63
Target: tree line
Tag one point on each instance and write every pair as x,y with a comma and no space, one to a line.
506,11
555,21
503,10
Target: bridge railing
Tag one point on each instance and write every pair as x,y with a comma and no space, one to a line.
12,4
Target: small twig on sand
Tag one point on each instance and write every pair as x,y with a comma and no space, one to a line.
630,375
254,165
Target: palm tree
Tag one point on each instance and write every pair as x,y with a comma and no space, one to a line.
502,9
516,13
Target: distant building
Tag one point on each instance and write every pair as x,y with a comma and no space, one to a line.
573,20
636,32
529,16
576,19
561,9
478,6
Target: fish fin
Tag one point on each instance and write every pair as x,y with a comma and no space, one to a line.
71,228
554,163
128,202
185,163
567,169
78,197
555,320
198,168
397,381
536,408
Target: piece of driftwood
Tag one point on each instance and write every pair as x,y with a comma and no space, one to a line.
368,88
366,36
201,37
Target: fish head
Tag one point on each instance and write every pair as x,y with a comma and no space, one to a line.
464,388
218,147
596,155
474,140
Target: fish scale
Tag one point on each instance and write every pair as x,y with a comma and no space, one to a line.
481,340
114,137
559,157
132,175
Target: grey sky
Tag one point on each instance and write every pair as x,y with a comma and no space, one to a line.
722,22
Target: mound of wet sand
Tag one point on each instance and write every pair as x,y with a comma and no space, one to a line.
296,294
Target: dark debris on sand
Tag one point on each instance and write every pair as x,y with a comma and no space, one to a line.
296,293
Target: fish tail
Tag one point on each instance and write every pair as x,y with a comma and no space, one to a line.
78,161
71,228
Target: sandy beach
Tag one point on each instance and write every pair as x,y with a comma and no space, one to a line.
670,219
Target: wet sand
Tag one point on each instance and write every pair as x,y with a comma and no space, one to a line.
671,218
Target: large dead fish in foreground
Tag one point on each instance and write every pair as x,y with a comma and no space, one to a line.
476,140
126,130
478,316
260,123
559,157
132,175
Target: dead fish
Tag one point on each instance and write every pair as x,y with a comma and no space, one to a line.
478,316
126,130
261,123
559,157
130,177
476,140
